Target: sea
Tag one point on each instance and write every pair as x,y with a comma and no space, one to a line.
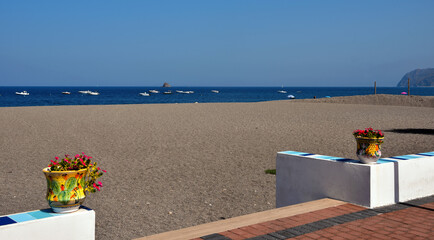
52,96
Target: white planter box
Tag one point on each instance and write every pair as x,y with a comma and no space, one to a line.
44,224
302,177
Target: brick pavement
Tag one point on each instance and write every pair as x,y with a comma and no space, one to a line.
409,220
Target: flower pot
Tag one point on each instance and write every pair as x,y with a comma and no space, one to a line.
65,189
369,149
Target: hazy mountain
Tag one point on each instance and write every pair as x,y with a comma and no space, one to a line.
418,78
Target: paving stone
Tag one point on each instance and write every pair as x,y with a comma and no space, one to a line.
277,235
416,224
258,238
215,236
286,234
267,237
295,231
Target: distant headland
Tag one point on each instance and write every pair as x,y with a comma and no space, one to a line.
166,85
418,78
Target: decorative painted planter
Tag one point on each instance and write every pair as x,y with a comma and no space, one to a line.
65,189
369,149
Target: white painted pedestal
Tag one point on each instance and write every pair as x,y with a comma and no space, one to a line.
302,177
44,224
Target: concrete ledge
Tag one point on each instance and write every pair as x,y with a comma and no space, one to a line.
45,224
302,177
246,220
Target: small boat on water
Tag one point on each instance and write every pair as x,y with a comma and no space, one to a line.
144,94
215,91
291,96
154,91
89,92
67,93
281,91
23,93
168,92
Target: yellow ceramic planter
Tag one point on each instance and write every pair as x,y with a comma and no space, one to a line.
65,189
369,149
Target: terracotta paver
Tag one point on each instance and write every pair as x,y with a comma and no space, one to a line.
411,220
321,219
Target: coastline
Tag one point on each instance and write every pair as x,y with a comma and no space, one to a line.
199,162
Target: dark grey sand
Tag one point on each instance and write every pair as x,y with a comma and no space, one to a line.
178,165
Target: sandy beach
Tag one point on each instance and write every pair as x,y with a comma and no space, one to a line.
171,166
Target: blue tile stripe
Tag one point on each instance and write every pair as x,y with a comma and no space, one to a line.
22,217
380,161
296,153
29,216
400,158
6,220
407,157
431,154
327,157
385,160
45,213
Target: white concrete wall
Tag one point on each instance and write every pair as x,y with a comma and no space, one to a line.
302,177
44,225
416,178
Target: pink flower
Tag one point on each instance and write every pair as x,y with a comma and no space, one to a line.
103,170
77,156
57,158
96,186
81,160
100,183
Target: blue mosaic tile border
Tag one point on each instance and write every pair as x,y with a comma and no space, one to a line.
431,154
30,216
297,153
380,161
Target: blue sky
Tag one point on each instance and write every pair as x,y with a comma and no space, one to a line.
213,43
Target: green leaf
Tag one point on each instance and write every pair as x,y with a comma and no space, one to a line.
82,182
64,197
70,184
270,171
55,187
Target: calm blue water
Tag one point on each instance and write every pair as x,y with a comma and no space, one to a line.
50,96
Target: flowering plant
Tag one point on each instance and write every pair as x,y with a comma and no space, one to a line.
368,133
79,162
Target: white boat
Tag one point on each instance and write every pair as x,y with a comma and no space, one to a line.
144,94
214,91
281,91
23,93
154,91
168,92
85,92
188,92
179,91
67,93
93,93
291,96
